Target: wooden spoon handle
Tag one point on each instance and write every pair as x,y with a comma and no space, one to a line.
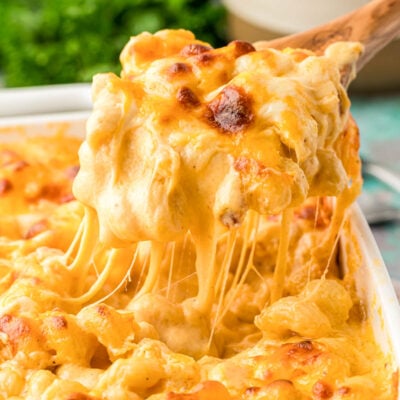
374,25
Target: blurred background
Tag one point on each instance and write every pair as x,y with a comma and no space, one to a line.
63,41
49,42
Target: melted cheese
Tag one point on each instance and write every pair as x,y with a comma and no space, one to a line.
212,192
190,138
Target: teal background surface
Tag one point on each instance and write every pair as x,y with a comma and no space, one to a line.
378,118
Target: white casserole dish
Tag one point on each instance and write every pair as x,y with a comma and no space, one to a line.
376,289
373,282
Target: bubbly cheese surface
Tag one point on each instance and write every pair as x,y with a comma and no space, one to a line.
200,259
189,136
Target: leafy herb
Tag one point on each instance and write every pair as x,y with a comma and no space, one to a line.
59,41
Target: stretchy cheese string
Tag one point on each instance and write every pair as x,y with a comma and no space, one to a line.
156,256
176,264
257,272
222,308
172,248
224,268
281,262
88,242
175,284
317,210
343,202
125,278
205,267
242,270
100,281
75,242
212,284
334,247
223,279
250,230
84,258
336,234
143,269
254,221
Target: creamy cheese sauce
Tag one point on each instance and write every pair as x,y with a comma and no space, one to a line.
190,138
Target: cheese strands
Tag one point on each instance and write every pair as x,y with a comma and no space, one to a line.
189,138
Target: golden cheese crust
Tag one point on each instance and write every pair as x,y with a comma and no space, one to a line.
29,185
262,130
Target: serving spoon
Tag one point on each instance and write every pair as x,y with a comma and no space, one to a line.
374,25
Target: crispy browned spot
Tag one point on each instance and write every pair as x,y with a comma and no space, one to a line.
8,156
254,168
17,165
72,171
67,198
231,111
187,98
303,352
281,382
204,59
343,390
301,347
102,310
50,191
242,164
35,229
307,212
230,219
194,49
16,328
79,396
241,47
5,186
35,281
322,390
252,390
318,213
59,322
178,68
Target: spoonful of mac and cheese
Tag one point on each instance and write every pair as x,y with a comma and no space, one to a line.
191,138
